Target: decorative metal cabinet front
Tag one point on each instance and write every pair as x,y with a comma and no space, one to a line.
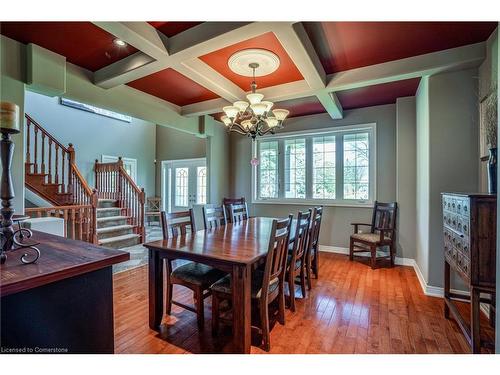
469,234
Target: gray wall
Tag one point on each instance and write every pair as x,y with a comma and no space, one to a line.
12,90
218,161
447,154
406,175
336,227
172,144
93,135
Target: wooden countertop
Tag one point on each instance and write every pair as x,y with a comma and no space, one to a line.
60,259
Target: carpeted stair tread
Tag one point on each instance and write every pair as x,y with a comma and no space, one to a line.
110,218
107,241
114,228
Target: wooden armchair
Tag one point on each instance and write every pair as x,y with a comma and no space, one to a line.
153,208
382,233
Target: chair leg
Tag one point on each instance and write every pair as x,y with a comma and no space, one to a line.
391,251
373,251
215,314
316,261
169,288
281,304
308,271
303,282
200,309
291,288
351,249
264,321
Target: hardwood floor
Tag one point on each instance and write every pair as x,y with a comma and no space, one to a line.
351,309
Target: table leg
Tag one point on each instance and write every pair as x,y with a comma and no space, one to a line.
475,325
155,289
446,288
241,278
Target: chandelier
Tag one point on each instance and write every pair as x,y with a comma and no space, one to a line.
255,117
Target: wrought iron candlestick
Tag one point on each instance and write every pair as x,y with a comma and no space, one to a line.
11,239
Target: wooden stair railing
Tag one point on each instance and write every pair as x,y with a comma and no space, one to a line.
52,173
78,220
113,182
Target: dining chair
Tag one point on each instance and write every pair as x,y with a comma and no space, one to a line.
214,217
382,233
238,212
312,256
267,283
195,276
226,202
152,208
296,260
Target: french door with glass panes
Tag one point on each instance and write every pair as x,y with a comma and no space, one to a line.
187,184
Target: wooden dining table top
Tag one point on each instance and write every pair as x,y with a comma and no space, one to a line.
242,243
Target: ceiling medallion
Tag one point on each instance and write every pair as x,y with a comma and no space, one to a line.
240,62
255,117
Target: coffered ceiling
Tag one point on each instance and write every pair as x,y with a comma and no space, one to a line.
324,66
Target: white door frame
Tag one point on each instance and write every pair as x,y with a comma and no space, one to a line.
131,161
166,180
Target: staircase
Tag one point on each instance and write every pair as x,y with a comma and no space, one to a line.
111,215
113,226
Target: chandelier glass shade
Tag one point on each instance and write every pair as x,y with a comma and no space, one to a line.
255,117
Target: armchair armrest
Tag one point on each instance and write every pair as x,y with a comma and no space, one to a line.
356,225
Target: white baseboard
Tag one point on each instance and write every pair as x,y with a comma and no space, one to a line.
344,250
429,290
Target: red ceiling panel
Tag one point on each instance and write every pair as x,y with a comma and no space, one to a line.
301,107
287,71
172,28
172,86
385,93
348,45
82,43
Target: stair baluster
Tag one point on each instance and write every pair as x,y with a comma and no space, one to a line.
36,150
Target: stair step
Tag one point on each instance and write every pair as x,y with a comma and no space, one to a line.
107,203
108,211
114,228
111,218
38,174
120,241
107,200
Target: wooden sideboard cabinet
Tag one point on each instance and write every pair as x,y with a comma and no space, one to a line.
469,224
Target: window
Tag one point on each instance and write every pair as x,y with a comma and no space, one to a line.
268,169
181,187
333,166
201,185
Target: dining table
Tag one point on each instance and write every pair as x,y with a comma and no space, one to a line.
235,248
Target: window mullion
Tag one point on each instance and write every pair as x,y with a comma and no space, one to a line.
309,167
339,167
281,169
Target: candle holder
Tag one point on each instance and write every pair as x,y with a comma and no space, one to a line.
11,239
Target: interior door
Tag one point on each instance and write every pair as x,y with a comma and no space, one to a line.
188,184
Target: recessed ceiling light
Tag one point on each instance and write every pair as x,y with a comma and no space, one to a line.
119,43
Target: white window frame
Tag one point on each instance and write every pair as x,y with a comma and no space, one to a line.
371,128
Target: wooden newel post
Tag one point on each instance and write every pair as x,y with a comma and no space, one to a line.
119,190
96,181
93,202
71,161
142,200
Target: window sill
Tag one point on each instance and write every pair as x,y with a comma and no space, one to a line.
313,202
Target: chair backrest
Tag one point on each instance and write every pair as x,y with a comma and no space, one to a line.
214,217
229,201
316,218
153,204
176,223
277,252
301,236
238,212
384,216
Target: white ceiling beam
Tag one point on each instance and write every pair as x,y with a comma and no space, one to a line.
412,67
140,35
197,41
331,104
205,75
206,107
300,49
433,63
